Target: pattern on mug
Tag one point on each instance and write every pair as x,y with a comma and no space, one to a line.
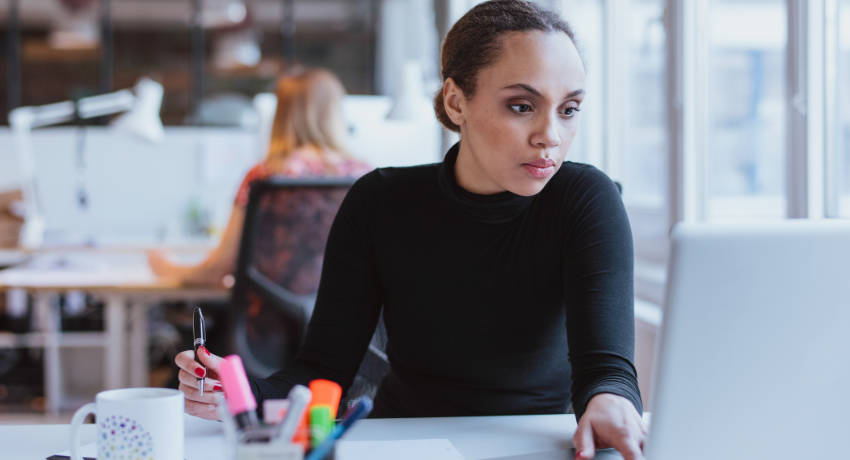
121,438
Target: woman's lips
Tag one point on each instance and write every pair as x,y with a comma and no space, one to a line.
540,168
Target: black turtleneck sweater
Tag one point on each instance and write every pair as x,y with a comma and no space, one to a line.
493,304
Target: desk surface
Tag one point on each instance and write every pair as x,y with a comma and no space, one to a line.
475,438
9,257
94,270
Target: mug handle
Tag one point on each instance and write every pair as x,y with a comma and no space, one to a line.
76,423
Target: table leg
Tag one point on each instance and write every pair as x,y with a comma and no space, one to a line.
115,354
138,353
49,323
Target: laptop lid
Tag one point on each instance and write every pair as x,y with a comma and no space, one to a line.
754,355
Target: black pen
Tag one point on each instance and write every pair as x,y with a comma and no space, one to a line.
200,335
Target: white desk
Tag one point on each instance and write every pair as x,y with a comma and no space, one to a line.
37,442
9,257
476,438
128,288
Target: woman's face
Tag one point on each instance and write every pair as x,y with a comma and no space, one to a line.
517,128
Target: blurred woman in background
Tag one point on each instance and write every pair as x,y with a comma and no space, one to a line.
308,140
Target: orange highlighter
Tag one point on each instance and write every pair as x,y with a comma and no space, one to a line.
323,409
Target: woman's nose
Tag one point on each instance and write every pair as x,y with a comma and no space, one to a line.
547,135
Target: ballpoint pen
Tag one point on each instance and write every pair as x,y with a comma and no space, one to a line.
200,334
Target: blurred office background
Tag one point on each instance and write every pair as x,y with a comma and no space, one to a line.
701,109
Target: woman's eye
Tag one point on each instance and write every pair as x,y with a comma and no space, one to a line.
571,111
520,108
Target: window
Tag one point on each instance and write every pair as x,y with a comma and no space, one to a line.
646,145
746,133
843,134
646,171
587,18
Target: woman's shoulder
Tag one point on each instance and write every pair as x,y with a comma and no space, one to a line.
260,171
308,161
257,172
397,182
578,187
384,192
575,177
403,177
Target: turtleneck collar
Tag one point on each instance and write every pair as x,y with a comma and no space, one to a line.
493,209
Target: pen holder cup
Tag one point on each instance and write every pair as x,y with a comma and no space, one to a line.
257,444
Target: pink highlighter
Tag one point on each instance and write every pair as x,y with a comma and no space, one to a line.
237,390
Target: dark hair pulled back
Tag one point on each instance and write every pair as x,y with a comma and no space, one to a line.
473,42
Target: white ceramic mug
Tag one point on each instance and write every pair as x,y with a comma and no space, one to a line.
134,424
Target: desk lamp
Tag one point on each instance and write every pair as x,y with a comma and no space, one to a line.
141,119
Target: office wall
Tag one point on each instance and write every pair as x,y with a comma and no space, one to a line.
136,190
141,192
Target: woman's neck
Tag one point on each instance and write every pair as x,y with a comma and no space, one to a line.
470,174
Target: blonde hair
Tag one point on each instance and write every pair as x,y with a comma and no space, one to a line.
309,114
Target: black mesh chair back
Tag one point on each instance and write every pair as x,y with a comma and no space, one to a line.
287,222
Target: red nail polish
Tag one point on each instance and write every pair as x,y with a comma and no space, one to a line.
200,372
206,351
217,387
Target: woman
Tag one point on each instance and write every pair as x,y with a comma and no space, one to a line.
503,273
308,139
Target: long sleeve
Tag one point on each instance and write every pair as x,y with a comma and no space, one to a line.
348,303
598,269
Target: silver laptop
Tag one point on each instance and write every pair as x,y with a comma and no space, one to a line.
754,354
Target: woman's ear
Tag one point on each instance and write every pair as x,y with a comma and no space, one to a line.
454,102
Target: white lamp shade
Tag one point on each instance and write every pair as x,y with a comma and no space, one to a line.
143,119
409,100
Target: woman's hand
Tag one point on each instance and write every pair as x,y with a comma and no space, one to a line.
160,263
610,421
190,371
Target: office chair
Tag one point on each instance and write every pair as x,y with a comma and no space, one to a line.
287,222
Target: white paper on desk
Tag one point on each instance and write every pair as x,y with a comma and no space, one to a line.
562,454
420,449
209,447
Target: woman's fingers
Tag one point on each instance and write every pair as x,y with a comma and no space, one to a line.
202,410
158,262
191,393
186,361
209,363
583,441
209,360
629,448
189,375
210,385
610,421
